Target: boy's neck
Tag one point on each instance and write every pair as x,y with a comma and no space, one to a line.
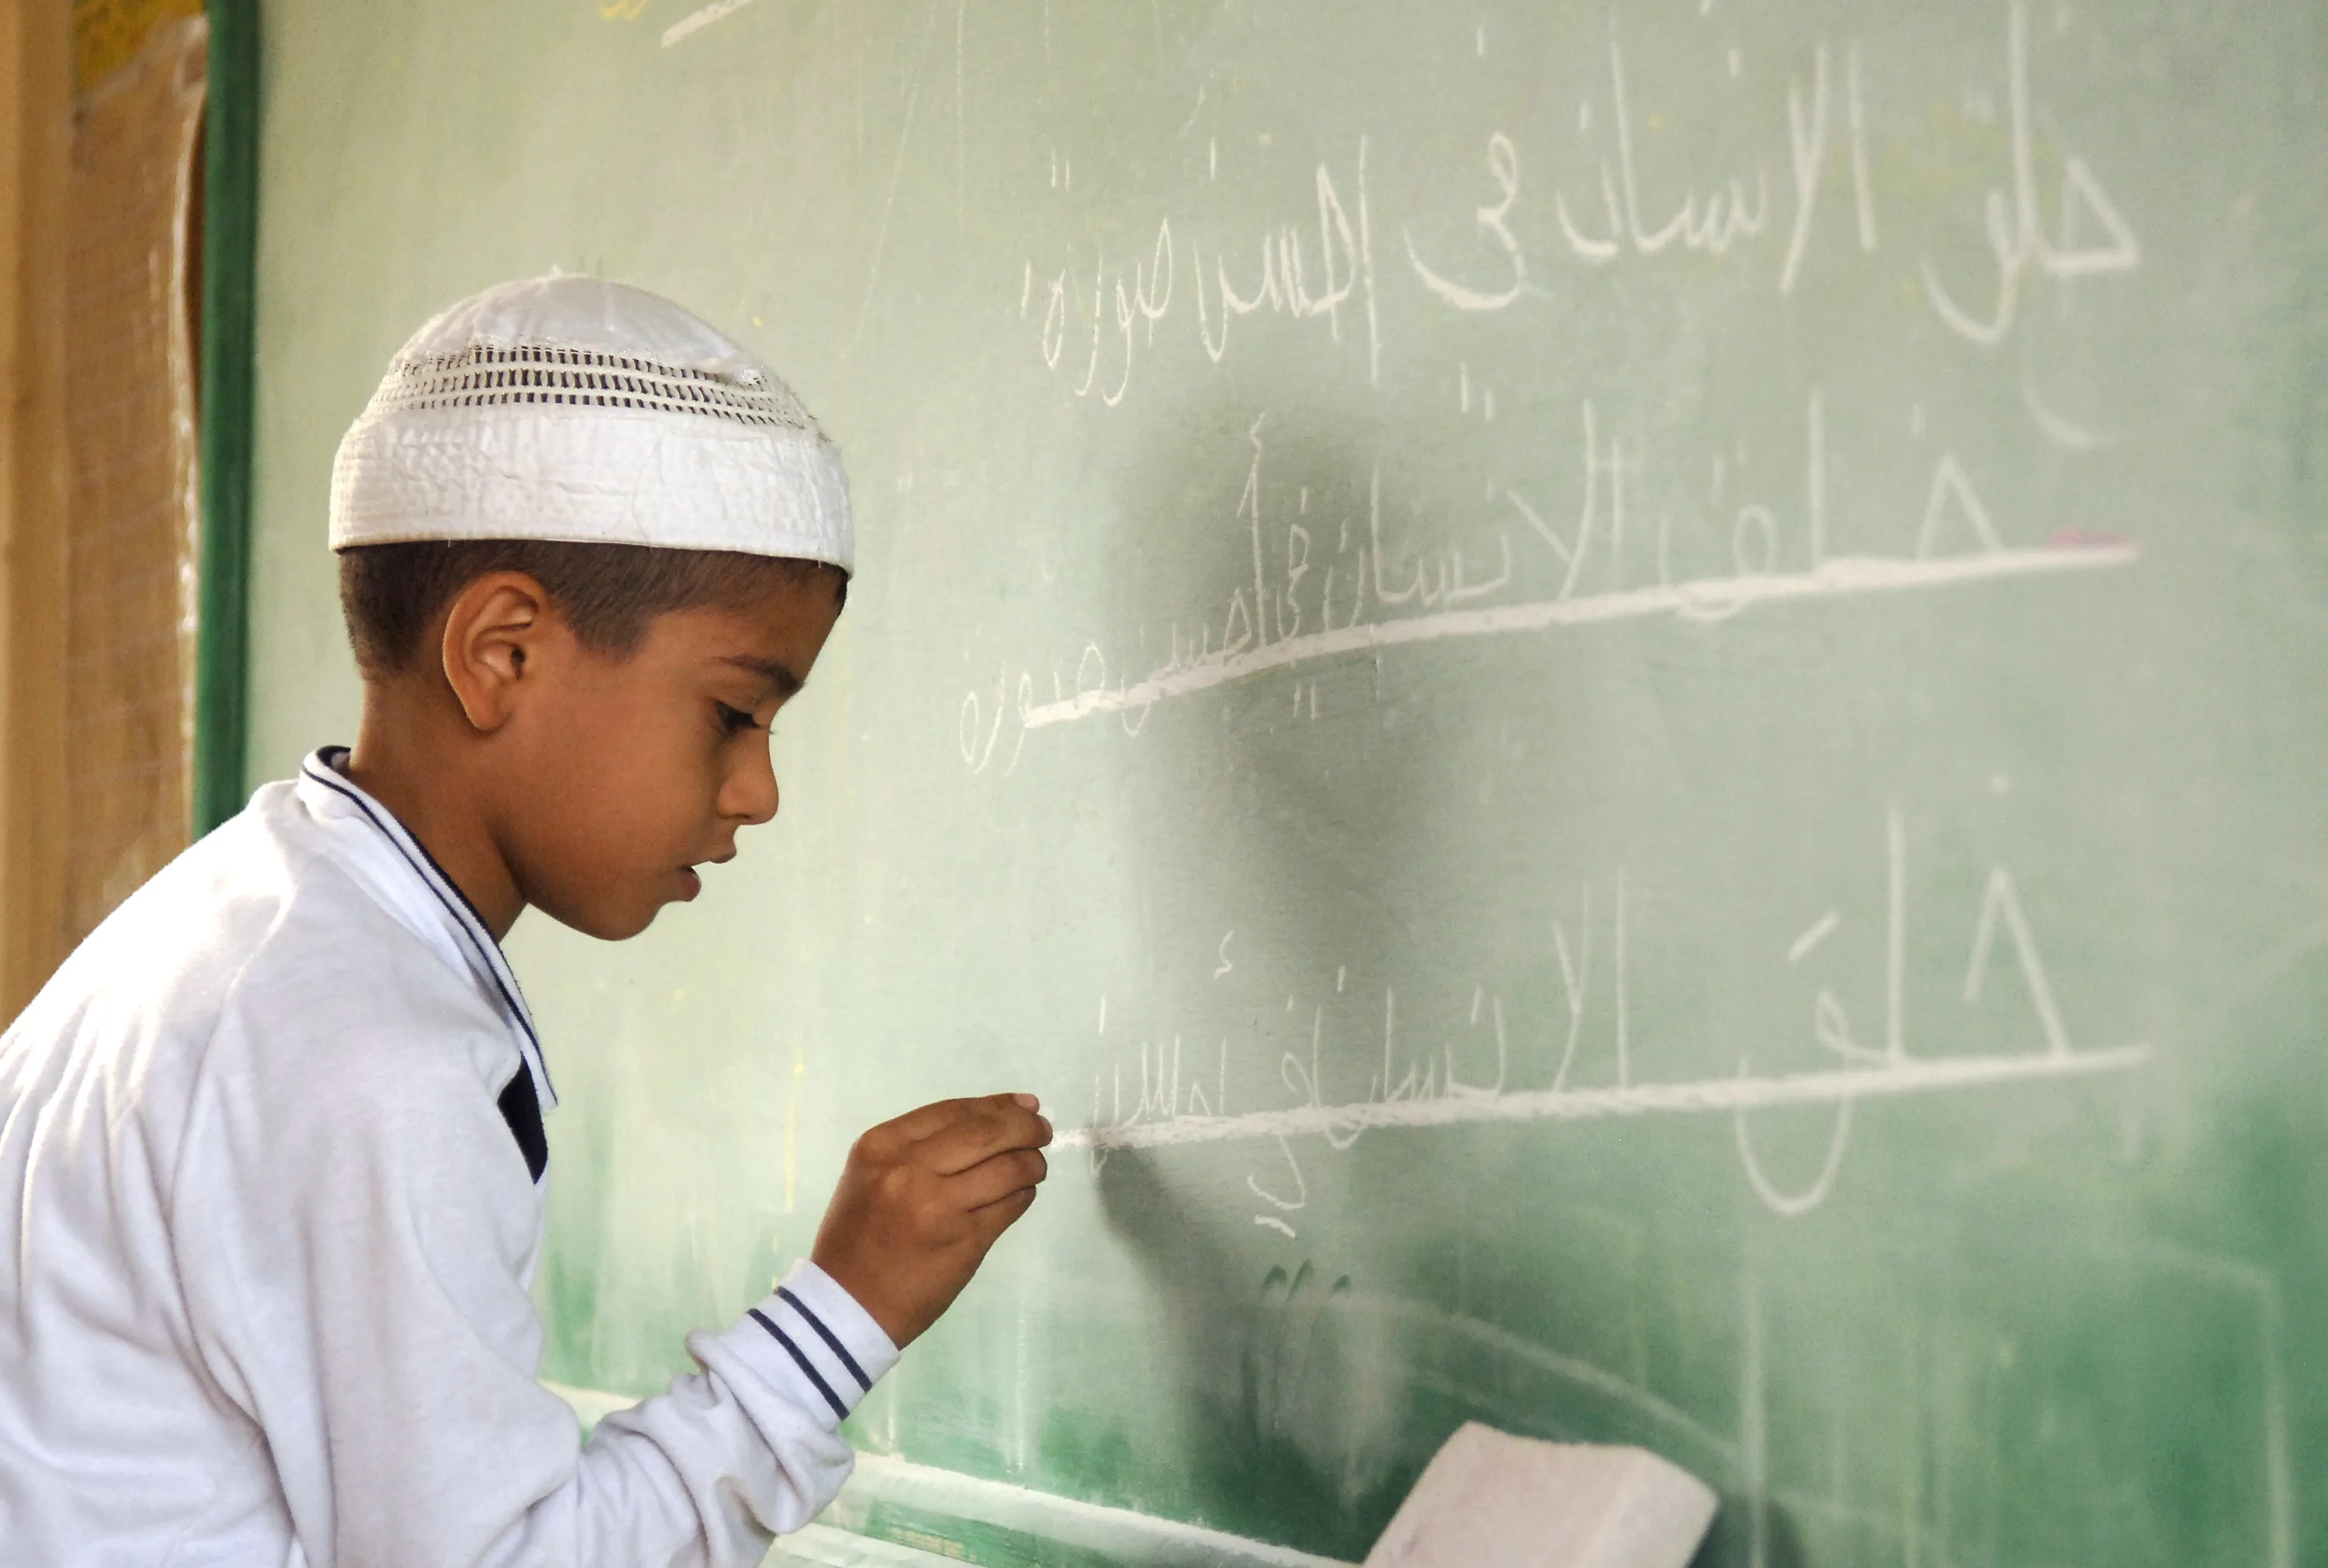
401,762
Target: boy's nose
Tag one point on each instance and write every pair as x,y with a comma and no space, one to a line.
751,792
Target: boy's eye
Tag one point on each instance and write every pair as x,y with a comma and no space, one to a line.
735,720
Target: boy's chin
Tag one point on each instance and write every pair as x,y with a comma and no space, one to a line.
615,919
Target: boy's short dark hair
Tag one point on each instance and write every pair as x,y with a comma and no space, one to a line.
608,593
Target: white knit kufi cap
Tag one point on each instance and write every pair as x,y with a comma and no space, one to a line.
571,408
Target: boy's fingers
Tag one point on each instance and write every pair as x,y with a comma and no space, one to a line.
999,1177
914,1126
917,1124
981,1134
1000,1215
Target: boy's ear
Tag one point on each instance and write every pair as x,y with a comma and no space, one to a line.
493,637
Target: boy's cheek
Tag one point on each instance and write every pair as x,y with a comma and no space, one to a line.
623,822
617,841
599,869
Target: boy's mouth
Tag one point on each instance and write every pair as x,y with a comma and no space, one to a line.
689,883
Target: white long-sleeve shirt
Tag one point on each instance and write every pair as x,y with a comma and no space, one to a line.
271,1196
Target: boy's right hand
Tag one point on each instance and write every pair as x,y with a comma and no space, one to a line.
921,1200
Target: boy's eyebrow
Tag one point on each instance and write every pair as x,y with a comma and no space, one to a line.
778,674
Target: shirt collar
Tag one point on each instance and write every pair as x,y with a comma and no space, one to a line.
323,782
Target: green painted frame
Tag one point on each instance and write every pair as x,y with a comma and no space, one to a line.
229,254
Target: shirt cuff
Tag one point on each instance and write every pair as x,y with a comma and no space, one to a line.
811,1337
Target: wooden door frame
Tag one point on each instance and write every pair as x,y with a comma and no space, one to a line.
35,471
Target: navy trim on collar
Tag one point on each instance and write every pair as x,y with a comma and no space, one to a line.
323,768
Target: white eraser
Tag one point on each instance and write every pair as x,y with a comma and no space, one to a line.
1492,1500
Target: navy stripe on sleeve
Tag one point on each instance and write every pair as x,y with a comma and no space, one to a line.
827,1336
785,1339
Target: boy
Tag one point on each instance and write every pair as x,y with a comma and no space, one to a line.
271,1152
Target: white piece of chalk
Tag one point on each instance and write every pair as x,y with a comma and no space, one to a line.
1491,1500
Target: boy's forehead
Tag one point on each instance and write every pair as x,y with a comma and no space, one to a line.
774,641
779,676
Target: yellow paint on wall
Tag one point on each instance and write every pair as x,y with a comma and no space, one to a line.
107,32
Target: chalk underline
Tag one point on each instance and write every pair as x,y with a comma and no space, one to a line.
1700,598
696,22
1891,1079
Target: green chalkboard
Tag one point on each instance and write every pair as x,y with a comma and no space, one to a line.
1625,701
